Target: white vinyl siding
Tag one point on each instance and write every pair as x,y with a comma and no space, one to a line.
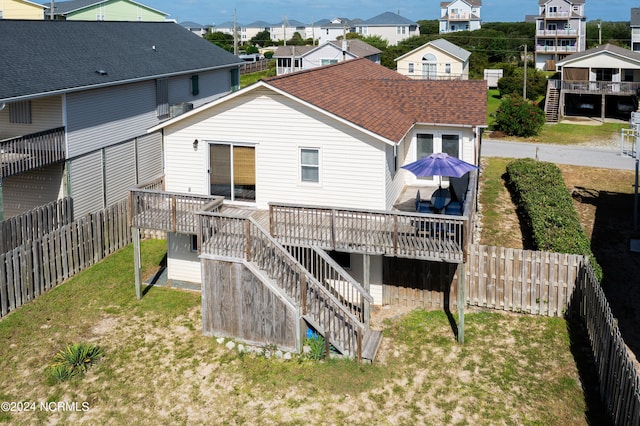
281,127
46,113
103,117
149,154
119,171
182,263
28,190
85,178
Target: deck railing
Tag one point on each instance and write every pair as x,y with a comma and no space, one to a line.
412,235
168,211
602,87
243,238
28,152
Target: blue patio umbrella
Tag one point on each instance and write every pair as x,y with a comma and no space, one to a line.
439,164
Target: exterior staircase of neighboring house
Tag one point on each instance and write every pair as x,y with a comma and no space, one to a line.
552,101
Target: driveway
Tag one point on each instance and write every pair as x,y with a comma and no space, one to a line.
604,157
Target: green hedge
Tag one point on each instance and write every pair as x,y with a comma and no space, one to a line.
547,209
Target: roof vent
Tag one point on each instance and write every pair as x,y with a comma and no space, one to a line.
101,72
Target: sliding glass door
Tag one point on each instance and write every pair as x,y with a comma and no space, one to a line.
232,171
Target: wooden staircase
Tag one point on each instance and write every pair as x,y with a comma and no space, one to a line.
552,101
328,298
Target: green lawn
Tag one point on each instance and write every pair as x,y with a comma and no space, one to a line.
158,368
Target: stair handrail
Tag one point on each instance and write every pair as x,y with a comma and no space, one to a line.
336,280
251,234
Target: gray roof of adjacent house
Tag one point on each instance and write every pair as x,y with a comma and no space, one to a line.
616,50
471,2
388,18
64,7
41,58
635,17
541,2
289,23
341,23
288,51
357,47
445,46
257,24
192,25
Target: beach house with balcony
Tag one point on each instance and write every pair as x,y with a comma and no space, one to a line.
306,216
460,15
561,30
77,98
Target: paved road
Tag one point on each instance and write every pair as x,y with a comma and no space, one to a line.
560,154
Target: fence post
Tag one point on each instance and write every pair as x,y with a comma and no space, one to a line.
462,300
137,271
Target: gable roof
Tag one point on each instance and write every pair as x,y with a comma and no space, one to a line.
383,101
388,18
65,7
610,48
357,47
44,57
542,2
473,3
288,51
35,4
443,45
373,98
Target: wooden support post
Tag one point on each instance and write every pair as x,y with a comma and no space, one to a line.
247,236
366,283
462,300
137,269
1,202
327,338
303,292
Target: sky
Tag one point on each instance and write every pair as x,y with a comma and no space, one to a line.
211,12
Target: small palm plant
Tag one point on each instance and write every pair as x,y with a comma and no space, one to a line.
74,360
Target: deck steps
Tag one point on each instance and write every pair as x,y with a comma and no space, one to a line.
371,344
551,105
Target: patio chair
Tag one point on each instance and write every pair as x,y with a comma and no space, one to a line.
422,206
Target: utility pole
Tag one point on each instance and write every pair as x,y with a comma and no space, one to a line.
235,34
51,11
524,86
599,32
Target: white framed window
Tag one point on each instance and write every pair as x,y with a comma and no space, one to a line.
411,67
309,165
99,17
401,30
324,62
447,68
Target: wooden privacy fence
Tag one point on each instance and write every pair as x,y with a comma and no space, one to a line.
40,264
534,282
617,373
35,223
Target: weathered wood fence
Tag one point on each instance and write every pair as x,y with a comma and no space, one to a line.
35,223
44,262
251,67
617,372
535,282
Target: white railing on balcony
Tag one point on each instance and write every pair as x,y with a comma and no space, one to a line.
561,14
613,87
555,33
556,49
28,152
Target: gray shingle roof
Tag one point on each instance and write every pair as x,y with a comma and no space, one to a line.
620,51
40,57
388,18
451,48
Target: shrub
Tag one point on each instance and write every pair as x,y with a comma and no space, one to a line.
547,209
316,345
74,360
517,117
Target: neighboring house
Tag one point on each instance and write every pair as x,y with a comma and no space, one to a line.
314,30
76,98
389,26
285,29
289,58
334,29
460,15
635,29
104,10
194,27
251,30
21,9
332,137
436,60
600,82
297,58
561,30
